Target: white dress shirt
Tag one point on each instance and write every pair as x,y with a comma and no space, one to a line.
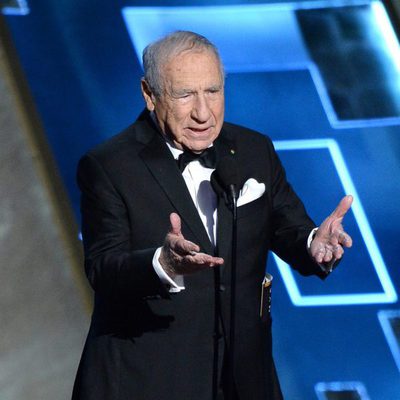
197,179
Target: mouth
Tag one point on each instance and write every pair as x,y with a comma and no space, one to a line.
199,130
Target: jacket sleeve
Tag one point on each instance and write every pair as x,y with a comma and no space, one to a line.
112,266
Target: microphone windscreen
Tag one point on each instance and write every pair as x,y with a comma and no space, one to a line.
226,171
224,175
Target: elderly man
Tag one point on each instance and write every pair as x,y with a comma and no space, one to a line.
158,242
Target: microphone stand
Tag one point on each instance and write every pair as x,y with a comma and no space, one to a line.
224,180
231,352
217,333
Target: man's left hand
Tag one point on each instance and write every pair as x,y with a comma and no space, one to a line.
330,239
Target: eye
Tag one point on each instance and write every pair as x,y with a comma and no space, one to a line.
213,91
183,96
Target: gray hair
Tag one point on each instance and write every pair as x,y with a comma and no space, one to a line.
160,52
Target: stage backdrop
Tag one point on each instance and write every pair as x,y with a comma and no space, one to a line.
322,79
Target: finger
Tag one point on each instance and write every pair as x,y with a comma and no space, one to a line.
318,255
328,256
345,239
338,235
192,264
338,252
213,260
185,247
202,259
342,208
175,221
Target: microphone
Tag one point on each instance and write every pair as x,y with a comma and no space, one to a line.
224,180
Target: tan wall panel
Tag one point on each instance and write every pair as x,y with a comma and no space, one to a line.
43,309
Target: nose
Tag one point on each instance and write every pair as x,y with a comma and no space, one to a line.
201,111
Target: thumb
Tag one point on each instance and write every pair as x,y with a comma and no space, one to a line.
175,221
343,207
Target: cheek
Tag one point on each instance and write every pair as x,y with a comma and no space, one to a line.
176,122
218,108
178,117
219,115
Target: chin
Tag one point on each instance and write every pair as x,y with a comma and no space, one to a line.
199,144
198,147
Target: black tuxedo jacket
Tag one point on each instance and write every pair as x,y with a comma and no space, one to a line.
145,343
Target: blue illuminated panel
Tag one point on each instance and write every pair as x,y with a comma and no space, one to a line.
15,7
390,322
357,54
341,391
261,38
388,294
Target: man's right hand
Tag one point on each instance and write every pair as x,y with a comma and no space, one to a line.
180,256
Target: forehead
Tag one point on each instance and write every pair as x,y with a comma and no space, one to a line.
193,67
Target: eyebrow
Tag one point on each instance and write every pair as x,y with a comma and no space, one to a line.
178,92
181,91
215,87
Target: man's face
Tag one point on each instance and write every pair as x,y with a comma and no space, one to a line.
190,111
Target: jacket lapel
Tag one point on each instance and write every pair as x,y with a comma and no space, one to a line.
162,165
225,146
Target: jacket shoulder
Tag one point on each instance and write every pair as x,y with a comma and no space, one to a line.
242,133
248,138
126,143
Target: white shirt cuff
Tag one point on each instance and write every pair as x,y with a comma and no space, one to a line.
175,285
310,238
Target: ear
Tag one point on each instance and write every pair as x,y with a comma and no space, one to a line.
148,95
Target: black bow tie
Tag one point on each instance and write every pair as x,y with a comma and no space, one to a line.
208,158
